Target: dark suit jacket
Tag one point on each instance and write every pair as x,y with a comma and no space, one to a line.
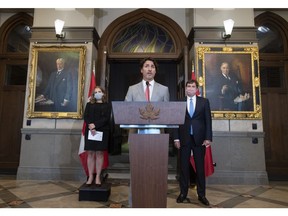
234,89
202,130
59,87
201,123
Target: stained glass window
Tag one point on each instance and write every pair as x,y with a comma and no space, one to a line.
143,37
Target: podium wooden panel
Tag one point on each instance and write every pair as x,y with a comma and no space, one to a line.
149,169
128,113
148,152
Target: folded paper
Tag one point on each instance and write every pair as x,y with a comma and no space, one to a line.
97,137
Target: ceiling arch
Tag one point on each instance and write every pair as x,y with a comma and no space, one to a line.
173,29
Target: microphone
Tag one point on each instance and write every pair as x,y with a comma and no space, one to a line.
147,83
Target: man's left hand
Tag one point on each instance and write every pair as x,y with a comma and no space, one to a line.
206,143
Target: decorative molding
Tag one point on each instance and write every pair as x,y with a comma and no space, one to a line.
73,35
213,35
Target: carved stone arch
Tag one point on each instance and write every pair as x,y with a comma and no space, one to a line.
154,17
10,24
277,22
107,38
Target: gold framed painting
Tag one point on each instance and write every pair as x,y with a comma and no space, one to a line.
229,77
56,82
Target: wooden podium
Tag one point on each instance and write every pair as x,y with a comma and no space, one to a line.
148,148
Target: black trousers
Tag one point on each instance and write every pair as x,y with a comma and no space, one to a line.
199,155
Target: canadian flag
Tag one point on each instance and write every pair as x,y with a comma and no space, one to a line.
208,160
82,153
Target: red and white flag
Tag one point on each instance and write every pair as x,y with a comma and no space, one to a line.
208,162
82,153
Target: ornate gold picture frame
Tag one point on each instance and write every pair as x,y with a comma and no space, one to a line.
229,77
56,82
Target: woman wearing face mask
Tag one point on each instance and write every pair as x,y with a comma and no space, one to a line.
97,118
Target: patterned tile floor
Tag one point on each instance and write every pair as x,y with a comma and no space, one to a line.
64,194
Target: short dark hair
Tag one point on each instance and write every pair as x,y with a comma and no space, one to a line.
192,81
148,59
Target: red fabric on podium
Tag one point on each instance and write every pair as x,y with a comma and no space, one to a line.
208,162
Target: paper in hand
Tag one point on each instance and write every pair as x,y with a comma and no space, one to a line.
97,137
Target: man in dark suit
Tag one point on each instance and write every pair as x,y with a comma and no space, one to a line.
195,134
59,89
229,90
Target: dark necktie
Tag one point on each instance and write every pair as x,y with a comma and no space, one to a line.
147,91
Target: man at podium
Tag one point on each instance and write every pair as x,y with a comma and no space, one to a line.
147,90
195,134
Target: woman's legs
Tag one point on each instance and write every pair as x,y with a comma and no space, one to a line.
99,165
91,165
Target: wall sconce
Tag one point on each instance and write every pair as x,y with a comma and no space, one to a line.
59,24
228,25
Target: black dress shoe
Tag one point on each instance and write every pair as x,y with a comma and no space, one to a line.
203,200
181,198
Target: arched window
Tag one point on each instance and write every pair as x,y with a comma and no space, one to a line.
273,49
143,37
15,34
270,39
18,39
